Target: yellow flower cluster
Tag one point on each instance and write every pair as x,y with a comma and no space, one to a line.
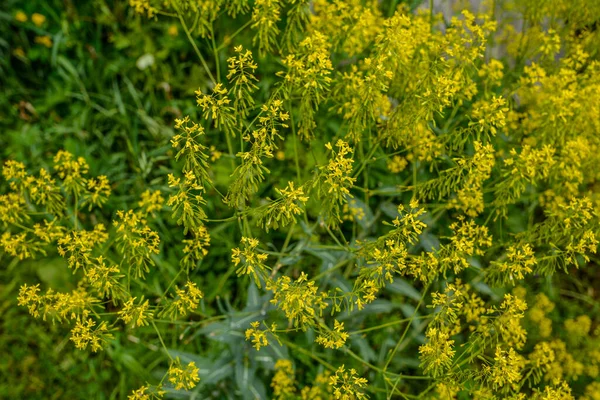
308,76
437,353
252,262
283,380
183,377
506,369
337,181
136,241
283,211
186,301
333,339
87,333
347,384
259,337
300,300
241,73
486,135
136,314
520,261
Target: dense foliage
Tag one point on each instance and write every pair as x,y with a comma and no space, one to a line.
297,199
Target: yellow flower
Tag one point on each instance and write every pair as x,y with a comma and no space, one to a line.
38,19
492,72
104,279
218,107
283,380
137,315
437,352
241,74
143,6
252,262
21,16
521,260
76,246
44,40
348,385
283,211
300,300
542,355
151,201
333,339
578,327
172,31
19,52
214,153
71,170
188,299
507,367
397,164
490,116
259,337
195,249
29,298
139,394
98,192
558,392
183,377
84,334
264,21
136,241
147,393
537,314
337,181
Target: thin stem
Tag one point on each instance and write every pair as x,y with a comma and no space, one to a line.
189,36
232,218
230,38
394,389
283,249
75,207
296,159
389,360
309,353
161,340
382,371
431,14
22,227
338,265
170,284
366,160
230,149
386,325
216,53
335,238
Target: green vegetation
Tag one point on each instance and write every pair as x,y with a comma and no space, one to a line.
297,199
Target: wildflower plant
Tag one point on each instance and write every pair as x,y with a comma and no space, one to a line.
331,200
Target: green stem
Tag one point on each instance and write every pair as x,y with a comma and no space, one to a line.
338,265
161,340
216,54
431,14
296,159
230,149
308,353
389,360
169,287
366,160
189,36
75,207
374,328
230,38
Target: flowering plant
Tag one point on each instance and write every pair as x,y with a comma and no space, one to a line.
346,200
